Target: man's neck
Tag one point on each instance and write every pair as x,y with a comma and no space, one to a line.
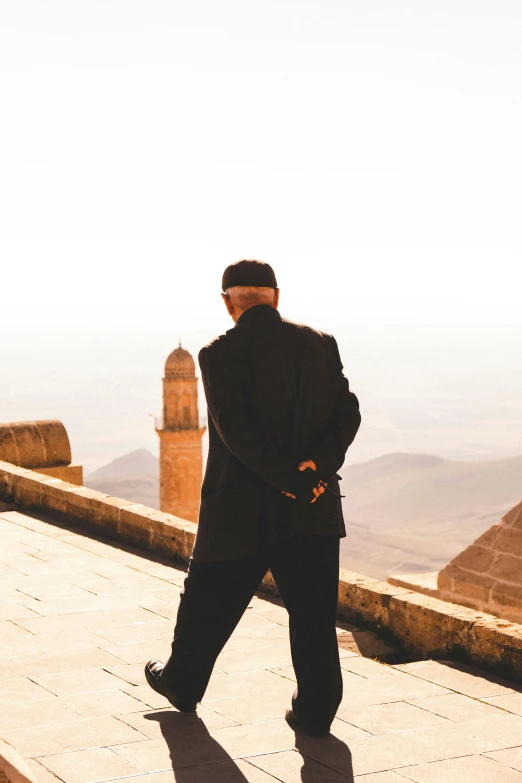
257,311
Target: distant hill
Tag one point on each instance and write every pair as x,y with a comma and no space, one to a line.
137,462
404,512
134,476
414,512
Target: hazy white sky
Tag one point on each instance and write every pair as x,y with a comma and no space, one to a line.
369,150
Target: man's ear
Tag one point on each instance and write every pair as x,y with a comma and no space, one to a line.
228,304
276,298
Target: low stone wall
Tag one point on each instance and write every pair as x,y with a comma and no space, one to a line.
423,626
426,627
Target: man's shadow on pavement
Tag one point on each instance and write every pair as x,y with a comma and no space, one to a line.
190,745
328,751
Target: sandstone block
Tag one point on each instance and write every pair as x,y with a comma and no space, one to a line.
474,587
54,499
12,474
14,477
170,542
508,595
105,513
156,519
497,643
169,536
6,484
445,578
464,587
78,502
475,558
367,600
429,626
514,517
56,443
189,532
488,538
172,535
8,451
134,527
352,577
508,568
459,600
189,538
73,474
509,540
29,447
96,512
28,491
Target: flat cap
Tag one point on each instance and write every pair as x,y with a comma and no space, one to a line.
249,273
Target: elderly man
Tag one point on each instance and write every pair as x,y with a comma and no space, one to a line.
281,417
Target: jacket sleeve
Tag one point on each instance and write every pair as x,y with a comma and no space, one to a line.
330,450
228,407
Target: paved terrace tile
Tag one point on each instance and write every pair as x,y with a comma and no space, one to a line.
79,618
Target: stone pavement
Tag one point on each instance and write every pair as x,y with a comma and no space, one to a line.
78,619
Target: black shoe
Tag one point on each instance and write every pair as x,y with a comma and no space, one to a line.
153,672
297,725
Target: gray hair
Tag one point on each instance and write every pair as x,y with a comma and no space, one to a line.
245,296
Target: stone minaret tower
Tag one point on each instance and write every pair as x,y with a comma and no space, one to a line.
180,438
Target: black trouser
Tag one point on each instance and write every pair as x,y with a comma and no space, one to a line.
215,596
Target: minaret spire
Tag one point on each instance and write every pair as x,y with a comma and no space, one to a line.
180,438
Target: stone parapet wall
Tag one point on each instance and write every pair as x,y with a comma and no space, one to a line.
427,627
488,574
422,625
73,474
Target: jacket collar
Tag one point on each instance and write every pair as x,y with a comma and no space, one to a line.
258,313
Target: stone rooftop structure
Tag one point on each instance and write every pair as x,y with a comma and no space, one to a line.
42,446
486,576
79,618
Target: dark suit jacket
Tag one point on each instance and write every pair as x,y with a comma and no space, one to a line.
276,395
